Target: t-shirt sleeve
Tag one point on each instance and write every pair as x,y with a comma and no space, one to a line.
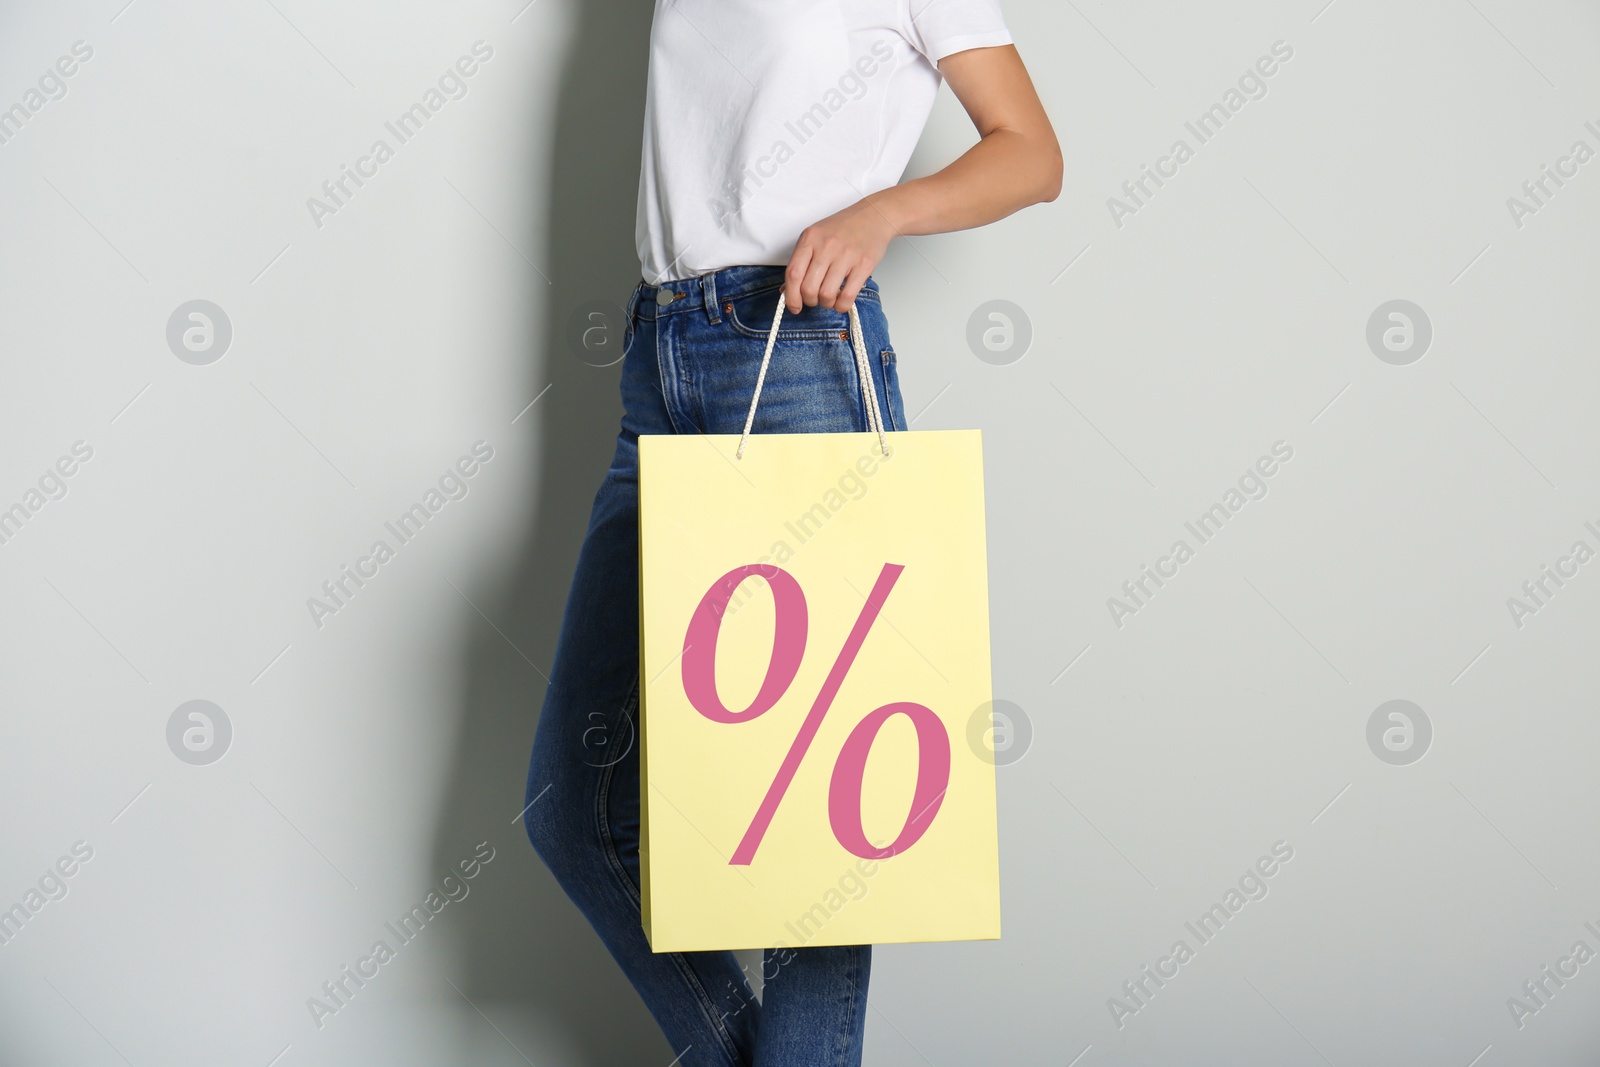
938,28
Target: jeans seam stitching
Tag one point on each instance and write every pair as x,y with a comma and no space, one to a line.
620,873
885,358
867,294
783,335
668,395
850,1017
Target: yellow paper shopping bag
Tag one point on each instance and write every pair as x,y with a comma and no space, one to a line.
814,651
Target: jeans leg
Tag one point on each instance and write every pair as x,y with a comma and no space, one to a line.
813,1009
583,779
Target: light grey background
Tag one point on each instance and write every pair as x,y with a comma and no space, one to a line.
1228,313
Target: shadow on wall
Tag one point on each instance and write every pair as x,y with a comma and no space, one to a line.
523,942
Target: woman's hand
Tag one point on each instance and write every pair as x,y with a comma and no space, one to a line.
1016,162
834,257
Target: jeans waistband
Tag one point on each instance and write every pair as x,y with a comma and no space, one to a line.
705,292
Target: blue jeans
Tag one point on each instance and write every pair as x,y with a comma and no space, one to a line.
689,366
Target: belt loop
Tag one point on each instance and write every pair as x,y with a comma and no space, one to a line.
708,287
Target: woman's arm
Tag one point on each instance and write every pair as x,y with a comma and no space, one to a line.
1016,163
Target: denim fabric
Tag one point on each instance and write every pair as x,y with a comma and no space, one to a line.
689,366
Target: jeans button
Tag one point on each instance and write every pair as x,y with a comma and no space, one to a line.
663,297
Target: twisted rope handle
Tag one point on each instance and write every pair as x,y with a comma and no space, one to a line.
863,372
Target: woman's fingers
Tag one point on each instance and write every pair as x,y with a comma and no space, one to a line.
851,287
840,285
816,273
795,275
833,259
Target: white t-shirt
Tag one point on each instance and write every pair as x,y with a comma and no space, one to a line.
765,116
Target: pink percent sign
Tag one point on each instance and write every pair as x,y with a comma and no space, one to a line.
788,649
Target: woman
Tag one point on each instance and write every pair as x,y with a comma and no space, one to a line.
775,133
